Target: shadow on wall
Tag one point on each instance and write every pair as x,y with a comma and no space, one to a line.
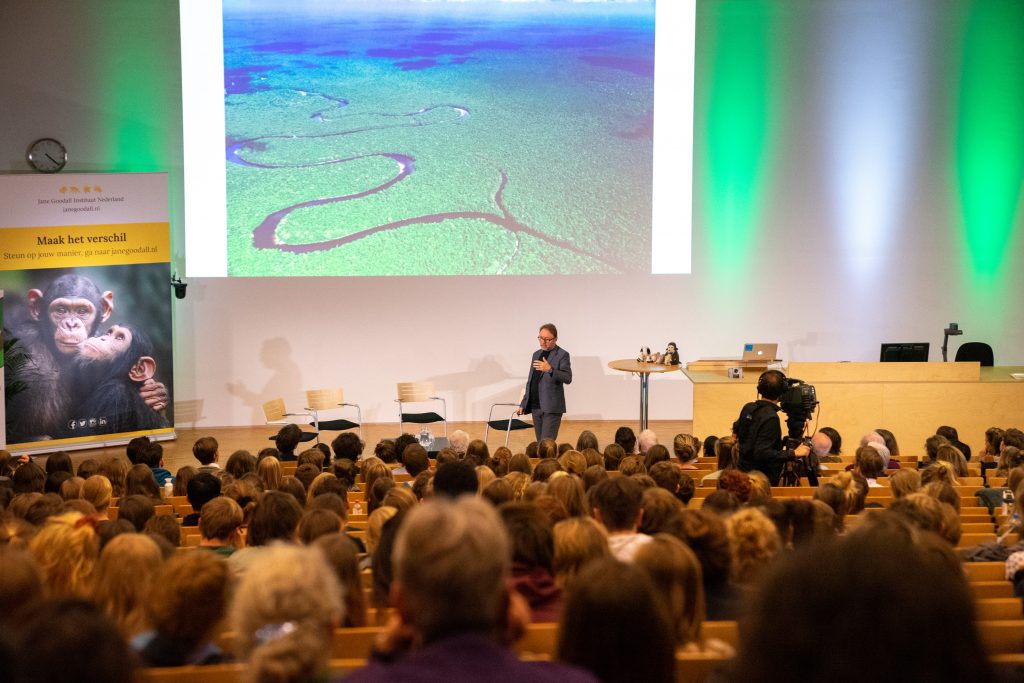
464,388
285,380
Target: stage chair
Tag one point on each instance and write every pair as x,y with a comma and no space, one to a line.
419,392
318,400
979,351
508,426
275,413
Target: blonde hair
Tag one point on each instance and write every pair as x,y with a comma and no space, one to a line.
121,580
66,549
569,490
518,481
904,481
753,542
845,482
573,462
375,525
98,490
400,498
678,578
760,487
578,540
269,470
484,476
284,612
949,453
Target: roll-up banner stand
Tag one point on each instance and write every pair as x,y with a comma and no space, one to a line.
85,268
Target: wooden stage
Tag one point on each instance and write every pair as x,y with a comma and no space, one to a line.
178,453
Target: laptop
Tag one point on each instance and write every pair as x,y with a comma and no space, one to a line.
762,352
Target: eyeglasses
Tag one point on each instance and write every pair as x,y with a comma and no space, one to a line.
546,339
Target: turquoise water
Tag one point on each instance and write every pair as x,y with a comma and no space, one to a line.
511,140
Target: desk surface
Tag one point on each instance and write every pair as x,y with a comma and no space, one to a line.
633,365
867,373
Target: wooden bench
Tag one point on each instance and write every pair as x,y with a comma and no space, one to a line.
985,571
998,609
1002,637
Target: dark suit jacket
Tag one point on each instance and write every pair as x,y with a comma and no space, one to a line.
552,395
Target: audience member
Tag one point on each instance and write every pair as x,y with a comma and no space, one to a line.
533,555
451,563
676,574
202,488
781,641
121,580
240,463
283,614
612,604
836,439
65,549
207,451
184,611
219,525
69,640
617,504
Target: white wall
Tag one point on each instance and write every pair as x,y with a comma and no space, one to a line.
239,342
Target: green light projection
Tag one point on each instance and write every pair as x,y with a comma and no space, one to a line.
990,132
740,66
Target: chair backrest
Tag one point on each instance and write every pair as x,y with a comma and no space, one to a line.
274,410
415,391
324,399
979,351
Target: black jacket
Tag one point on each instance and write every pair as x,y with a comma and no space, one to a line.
760,437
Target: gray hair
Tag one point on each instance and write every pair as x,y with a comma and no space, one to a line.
646,439
458,441
284,610
451,560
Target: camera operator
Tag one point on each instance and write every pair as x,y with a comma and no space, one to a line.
759,431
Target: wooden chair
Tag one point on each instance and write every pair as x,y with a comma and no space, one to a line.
320,400
274,413
419,392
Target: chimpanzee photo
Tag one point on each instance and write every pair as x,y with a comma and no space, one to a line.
106,376
49,331
48,327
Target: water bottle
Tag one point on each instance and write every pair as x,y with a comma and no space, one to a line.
426,439
168,489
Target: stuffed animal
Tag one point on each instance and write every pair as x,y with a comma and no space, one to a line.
671,356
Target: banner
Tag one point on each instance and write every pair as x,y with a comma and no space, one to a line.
85,266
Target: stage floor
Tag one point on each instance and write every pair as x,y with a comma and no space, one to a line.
178,453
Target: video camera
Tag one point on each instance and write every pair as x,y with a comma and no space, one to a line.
798,403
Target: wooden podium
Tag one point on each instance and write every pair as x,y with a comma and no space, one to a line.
910,399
